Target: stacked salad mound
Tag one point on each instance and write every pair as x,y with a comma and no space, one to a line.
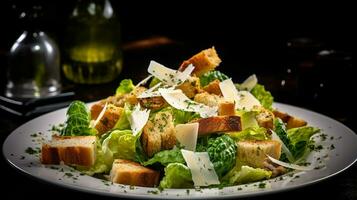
185,128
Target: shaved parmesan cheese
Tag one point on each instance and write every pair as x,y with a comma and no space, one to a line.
289,165
247,101
150,92
185,74
178,100
249,83
229,91
100,116
284,147
138,119
142,82
169,76
187,134
244,100
202,169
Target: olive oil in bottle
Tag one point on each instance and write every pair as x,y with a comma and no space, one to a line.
92,52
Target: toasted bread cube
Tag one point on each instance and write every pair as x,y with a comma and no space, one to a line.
226,108
190,87
213,88
71,150
218,124
153,103
208,99
206,60
253,153
159,133
291,121
117,100
132,173
109,119
265,117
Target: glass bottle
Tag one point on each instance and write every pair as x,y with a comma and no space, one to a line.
92,51
34,61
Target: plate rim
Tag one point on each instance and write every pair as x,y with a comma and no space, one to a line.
142,196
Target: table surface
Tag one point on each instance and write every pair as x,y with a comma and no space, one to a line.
298,79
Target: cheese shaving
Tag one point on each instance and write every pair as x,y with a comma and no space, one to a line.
169,76
178,100
138,119
187,135
290,165
202,169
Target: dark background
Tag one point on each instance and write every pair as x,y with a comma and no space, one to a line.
309,47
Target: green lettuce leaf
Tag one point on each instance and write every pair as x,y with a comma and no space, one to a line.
153,82
248,119
251,133
126,86
246,174
101,165
78,120
177,175
280,130
264,96
180,116
123,122
120,144
300,139
166,157
210,76
222,153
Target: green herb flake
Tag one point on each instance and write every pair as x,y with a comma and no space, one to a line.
262,185
31,151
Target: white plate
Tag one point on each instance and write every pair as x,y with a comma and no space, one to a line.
342,155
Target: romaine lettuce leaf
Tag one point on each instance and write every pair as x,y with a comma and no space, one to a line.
280,130
210,76
263,96
248,119
78,120
222,153
180,116
153,82
126,86
300,139
246,174
177,175
166,157
251,133
101,165
120,144
123,122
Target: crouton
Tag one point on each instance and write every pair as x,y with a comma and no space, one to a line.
132,173
218,124
109,119
253,153
158,133
265,117
213,88
71,150
208,99
291,121
206,60
117,100
226,108
190,87
153,103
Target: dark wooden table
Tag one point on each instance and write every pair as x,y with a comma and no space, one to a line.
320,82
